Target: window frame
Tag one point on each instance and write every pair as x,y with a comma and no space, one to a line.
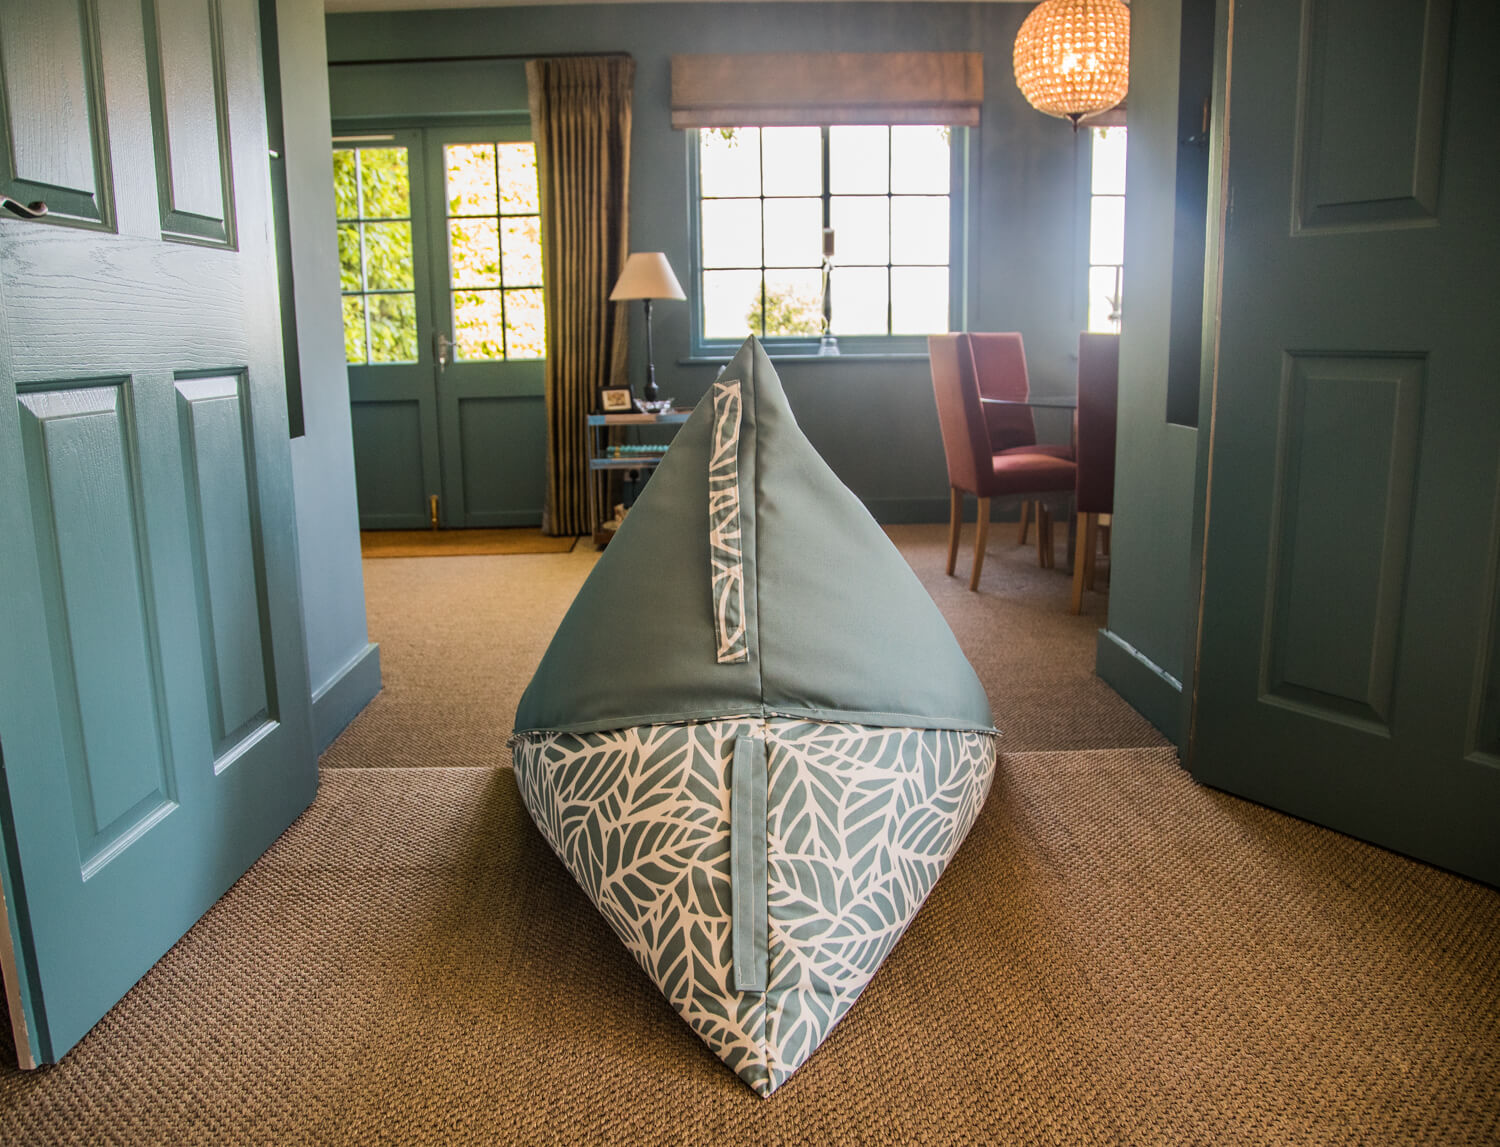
1087,196
807,346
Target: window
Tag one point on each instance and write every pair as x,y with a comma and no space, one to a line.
494,250
372,193
767,198
1106,228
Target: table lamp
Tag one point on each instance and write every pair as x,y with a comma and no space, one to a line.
647,275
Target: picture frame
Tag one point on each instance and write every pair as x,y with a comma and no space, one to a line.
616,400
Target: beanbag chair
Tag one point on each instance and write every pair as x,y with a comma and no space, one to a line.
754,741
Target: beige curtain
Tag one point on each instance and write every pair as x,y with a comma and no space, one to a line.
580,120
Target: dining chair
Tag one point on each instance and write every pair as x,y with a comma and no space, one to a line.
1098,412
974,466
1000,366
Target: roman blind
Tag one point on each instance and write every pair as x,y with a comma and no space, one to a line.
794,88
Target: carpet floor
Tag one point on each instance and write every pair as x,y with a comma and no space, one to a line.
1116,955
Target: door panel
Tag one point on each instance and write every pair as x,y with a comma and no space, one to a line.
502,487
185,60
234,617
395,434
1345,670
1346,455
151,610
1371,156
83,480
51,111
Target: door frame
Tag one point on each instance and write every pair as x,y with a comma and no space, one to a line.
424,139
1208,382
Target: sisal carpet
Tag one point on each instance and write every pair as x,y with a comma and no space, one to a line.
459,640
447,543
1116,955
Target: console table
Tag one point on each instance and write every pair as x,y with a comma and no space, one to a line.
632,458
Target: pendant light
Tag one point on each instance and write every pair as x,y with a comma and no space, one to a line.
1072,57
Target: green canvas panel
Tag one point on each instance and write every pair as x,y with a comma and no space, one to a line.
839,627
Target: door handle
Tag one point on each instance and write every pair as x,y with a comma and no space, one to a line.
442,348
25,210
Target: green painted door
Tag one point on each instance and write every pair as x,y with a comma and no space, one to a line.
154,716
1349,664
441,262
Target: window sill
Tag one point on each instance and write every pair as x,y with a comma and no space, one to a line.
848,357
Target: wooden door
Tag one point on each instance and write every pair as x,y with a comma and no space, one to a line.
487,302
154,715
1350,635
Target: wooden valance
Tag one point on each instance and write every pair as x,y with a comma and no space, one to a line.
796,88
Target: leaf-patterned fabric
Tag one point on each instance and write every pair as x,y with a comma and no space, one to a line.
861,821
731,641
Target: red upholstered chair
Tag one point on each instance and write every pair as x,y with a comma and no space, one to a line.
973,465
1000,365
1098,409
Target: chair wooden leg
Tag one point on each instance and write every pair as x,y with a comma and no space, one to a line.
1105,521
1025,523
1083,561
981,535
955,523
1078,575
1091,554
1044,554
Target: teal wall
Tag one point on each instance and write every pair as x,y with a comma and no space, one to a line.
874,421
344,668
1145,652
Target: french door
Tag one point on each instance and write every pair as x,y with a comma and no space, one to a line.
440,254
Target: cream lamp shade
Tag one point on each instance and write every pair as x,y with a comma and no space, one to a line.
1072,57
647,275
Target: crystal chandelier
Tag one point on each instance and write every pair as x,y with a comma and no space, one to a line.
1073,57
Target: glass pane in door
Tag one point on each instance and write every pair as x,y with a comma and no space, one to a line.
372,191
494,251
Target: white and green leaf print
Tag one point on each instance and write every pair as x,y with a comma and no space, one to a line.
725,535
860,822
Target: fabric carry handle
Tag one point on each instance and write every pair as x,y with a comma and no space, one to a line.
749,925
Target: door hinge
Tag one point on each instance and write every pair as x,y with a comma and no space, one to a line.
432,509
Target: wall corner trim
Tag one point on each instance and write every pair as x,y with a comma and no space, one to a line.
341,698
1148,688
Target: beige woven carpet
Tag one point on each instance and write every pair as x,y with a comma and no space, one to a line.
1115,956
447,543
459,640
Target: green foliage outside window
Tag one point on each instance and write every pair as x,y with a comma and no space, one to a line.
372,195
787,311
495,251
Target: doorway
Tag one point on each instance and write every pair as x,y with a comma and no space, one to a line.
441,272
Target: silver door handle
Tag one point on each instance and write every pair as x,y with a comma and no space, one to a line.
442,348
25,210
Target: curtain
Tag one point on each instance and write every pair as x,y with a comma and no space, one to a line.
580,122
